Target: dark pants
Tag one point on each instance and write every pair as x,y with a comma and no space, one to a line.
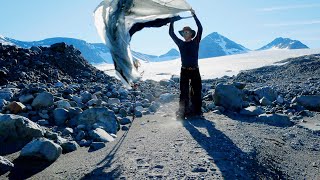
196,87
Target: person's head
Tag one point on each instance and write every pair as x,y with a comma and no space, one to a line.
187,33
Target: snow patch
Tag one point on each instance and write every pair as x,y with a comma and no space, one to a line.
216,67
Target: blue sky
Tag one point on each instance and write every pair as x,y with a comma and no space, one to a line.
252,23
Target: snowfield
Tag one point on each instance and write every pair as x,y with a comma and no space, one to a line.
215,67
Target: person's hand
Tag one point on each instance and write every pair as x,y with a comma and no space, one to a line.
192,12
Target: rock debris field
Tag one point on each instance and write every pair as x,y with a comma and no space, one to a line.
61,118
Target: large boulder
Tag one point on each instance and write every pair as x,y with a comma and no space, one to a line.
26,98
5,165
13,127
69,146
167,97
99,115
266,92
43,100
42,148
60,116
6,94
309,102
228,96
100,135
276,120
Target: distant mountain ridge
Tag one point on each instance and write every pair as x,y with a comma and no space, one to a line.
213,45
284,43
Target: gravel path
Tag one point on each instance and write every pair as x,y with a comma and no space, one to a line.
218,147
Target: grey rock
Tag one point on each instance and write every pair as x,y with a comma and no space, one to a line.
13,127
124,128
154,106
139,108
85,143
309,102
149,96
63,104
280,99
67,131
51,135
123,112
6,94
86,96
266,92
43,100
69,146
99,115
125,121
228,96
42,148
175,78
58,84
138,114
113,101
100,135
252,111
276,119
265,102
60,116
166,98
165,82
97,145
26,98
80,135
5,165
36,49
239,85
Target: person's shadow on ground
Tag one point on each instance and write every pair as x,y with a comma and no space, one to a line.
228,157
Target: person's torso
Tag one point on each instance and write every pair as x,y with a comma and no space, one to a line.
189,53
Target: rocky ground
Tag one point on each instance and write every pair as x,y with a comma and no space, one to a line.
63,119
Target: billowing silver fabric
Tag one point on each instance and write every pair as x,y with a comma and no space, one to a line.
117,20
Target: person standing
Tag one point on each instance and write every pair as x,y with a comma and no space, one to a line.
189,51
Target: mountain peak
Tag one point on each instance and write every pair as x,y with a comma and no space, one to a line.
284,43
215,45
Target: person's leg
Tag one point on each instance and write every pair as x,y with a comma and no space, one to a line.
184,92
197,87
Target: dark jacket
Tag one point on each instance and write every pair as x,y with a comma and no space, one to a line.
189,51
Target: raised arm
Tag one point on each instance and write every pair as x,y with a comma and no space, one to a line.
200,29
173,35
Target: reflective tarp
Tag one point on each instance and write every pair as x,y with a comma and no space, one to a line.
117,21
